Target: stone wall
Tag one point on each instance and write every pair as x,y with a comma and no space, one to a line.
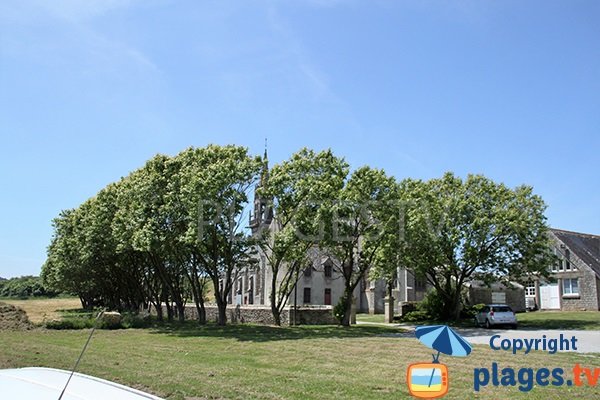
515,297
312,316
587,299
321,315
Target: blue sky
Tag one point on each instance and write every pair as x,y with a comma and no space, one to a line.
91,89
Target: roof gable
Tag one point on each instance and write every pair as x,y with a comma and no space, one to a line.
583,245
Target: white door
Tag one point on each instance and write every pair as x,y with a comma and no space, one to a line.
549,297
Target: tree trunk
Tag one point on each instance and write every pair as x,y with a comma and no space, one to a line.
346,319
276,314
202,313
451,310
200,310
180,310
169,311
222,321
159,310
347,313
198,295
390,305
273,299
456,304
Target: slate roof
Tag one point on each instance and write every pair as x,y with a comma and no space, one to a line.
583,245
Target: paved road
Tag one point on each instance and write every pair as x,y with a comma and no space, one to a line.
587,341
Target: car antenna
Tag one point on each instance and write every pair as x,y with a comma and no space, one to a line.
100,314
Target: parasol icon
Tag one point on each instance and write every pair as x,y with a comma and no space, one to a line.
443,339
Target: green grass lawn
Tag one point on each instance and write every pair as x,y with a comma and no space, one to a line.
258,362
373,318
585,320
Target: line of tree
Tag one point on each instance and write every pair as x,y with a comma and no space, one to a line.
139,243
25,286
175,227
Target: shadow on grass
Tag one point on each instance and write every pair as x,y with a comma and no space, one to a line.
262,333
462,323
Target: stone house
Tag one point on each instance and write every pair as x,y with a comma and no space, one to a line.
576,283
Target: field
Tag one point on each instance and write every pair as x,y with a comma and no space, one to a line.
258,362
39,310
242,362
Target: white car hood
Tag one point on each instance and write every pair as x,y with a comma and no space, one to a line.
48,383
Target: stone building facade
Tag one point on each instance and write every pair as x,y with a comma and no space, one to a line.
576,283
497,293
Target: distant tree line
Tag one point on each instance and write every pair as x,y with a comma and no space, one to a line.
25,286
175,227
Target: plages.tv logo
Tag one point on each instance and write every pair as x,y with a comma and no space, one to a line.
430,380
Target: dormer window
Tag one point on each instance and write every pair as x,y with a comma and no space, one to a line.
563,262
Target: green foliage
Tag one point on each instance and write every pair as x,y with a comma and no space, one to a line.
457,230
70,323
362,224
135,321
339,310
161,234
417,316
138,241
87,320
471,311
300,191
25,286
433,305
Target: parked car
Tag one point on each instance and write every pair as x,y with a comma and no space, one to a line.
496,314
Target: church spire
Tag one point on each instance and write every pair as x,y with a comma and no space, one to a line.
265,156
264,175
263,210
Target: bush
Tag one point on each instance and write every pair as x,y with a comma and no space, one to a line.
340,309
70,323
416,316
433,305
135,321
469,312
87,320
